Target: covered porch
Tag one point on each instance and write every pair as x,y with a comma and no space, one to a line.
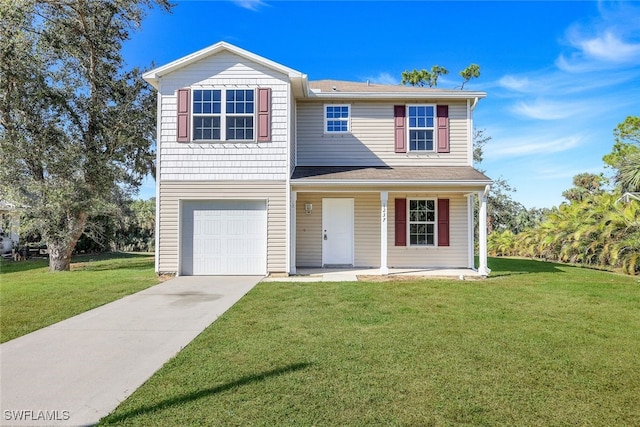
354,274
387,221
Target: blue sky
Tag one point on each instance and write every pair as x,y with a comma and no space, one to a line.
559,76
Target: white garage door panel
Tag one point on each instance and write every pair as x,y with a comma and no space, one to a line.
224,237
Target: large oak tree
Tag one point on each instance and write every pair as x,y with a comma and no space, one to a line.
76,126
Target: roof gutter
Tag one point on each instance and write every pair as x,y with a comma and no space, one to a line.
395,95
368,183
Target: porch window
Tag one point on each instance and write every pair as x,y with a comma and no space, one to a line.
421,119
422,222
337,118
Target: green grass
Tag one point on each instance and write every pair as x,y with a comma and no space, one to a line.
537,344
32,298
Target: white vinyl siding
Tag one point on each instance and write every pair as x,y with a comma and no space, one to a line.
172,192
225,160
371,140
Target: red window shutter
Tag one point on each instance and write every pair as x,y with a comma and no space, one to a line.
264,114
443,222
399,114
184,105
401,222
443,128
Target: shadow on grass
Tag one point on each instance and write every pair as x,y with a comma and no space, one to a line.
85,262
512,266
180,400
10,266
112,261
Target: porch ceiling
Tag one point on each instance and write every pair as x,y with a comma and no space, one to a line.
377,175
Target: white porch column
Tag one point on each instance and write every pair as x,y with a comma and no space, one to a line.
384,198
471,250
482,233
292,243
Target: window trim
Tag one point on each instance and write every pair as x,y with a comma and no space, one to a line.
433,129
326,119
223,115
434,223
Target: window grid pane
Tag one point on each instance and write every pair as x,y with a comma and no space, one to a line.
422,216
337,118
421,127
206,128
206,101
239,128
239,101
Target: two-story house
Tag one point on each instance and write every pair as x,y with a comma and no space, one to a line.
261,171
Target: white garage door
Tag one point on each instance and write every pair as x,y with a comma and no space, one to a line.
224,237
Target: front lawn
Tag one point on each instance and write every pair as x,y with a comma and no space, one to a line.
535,344
32,298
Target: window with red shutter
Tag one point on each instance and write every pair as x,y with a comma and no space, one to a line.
399,115
401,222
443,222
183,107
443,128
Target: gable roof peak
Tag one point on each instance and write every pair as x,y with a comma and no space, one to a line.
154,75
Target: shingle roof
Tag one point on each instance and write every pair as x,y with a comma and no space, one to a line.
339,88
345,86
373,174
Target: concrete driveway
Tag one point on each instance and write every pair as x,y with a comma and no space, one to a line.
77,371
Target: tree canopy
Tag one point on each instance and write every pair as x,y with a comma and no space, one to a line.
76,127
624,157
430,77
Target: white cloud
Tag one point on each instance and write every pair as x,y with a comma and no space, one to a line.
550,110
384,79
250,4
609,47
611,41
518,84
525,146
604,51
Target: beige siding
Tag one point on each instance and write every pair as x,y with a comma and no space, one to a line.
455,255
371,141
366,231
172,192
225,160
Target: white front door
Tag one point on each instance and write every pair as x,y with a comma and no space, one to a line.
337,232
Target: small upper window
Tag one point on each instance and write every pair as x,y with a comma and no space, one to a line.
336,118
421,120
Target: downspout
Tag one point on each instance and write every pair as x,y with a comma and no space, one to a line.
470,108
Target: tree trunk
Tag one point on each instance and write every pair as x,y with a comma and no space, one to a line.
60,251
59,257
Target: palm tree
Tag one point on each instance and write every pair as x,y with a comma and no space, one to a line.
628,176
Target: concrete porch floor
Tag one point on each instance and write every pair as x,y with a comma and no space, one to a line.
349,274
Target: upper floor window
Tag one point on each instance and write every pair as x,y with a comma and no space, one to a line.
421,119
422,222
233,122
207,113
337,118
